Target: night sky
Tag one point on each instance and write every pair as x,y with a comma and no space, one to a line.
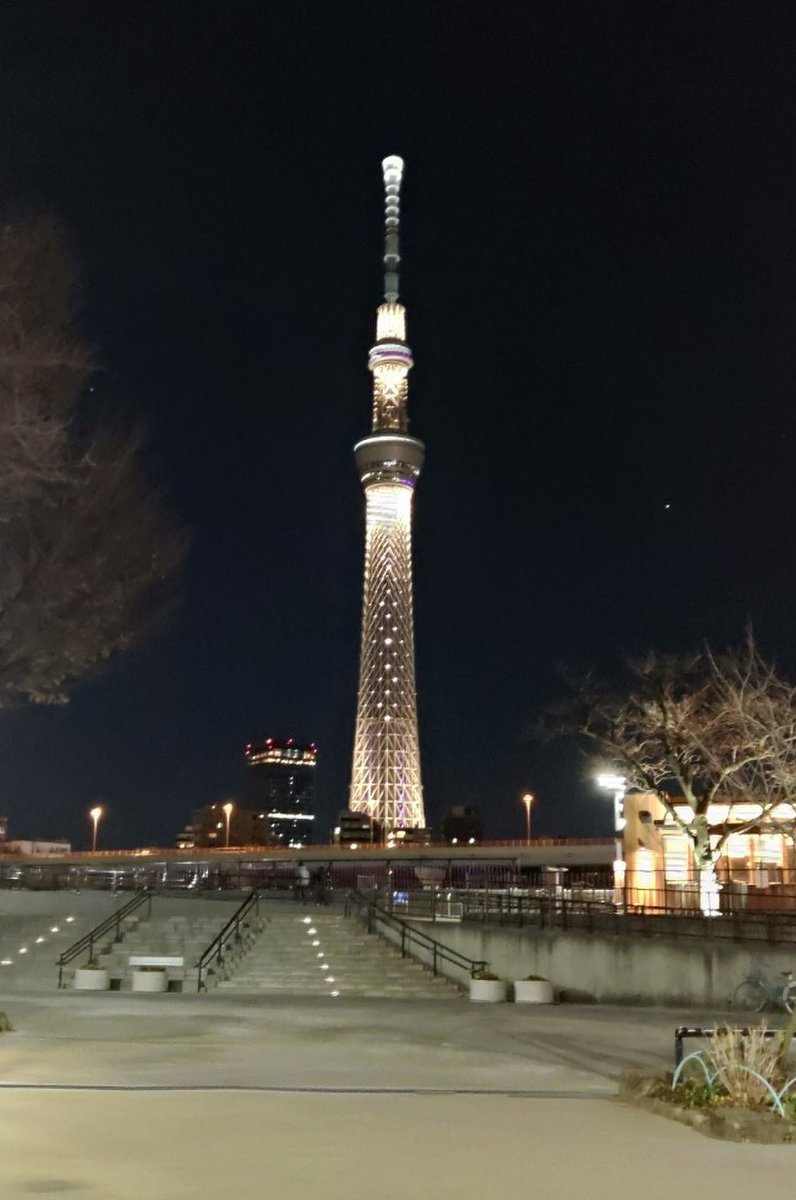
598,264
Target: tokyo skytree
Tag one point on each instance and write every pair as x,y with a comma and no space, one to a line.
385,779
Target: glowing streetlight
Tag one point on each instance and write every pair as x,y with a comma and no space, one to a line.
95,815
227,811
528,801
618,785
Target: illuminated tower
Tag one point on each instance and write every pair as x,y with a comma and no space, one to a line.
385,779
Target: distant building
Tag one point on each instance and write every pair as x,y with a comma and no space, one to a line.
187,839
359,829
280,787
34,847
655,866
356,828
462,826
208,828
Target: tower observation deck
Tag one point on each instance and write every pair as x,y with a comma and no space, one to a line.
385,778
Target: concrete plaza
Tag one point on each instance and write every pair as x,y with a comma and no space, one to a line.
116,1096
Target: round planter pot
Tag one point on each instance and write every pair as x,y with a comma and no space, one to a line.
533,991
488,991
150,981
91,979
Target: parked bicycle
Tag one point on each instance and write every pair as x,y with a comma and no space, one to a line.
759,991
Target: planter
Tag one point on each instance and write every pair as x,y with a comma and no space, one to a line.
91,979
150,981
488,991
533,991
430,875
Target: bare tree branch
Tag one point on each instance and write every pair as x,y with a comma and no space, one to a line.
87,550
696,730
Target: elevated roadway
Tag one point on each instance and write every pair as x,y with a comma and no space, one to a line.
545,852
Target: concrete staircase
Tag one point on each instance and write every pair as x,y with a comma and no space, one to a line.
29,946
184,936
324,953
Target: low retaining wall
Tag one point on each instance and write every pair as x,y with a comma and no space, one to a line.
97,905
616,968
23,903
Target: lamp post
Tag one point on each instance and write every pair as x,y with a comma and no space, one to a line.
618,785
95,815
528,801
227,810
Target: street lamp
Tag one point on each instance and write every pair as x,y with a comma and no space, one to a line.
227,811
95,815
618,785
528,801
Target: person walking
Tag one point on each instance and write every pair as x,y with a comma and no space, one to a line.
320,881
301,882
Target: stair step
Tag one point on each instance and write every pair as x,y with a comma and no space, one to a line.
283,960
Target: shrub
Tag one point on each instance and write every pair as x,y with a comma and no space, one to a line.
698,1093
485,972
735,1054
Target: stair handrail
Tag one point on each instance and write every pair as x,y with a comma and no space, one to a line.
88,940
411,936
214,952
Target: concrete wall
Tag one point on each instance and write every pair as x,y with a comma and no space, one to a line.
21,903
616,968
60,904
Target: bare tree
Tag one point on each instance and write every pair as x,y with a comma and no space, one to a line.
697,730
44,364
87,550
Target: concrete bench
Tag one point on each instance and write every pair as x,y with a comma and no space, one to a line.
174,965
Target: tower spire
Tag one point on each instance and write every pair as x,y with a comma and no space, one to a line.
390,359
385,776
392,170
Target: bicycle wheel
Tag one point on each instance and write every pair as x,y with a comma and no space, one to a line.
748,997
789,996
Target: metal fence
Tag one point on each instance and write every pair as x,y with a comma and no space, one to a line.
595,914
275,876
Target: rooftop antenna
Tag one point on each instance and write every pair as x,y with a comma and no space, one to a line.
392,168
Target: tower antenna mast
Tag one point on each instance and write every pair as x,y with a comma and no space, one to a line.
392,169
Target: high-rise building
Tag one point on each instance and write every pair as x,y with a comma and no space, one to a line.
385,779
280,783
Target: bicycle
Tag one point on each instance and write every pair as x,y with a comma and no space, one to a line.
758,991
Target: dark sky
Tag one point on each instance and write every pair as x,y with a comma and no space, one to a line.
598,243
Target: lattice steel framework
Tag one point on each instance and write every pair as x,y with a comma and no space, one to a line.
385,780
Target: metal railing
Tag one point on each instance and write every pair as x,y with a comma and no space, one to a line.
409,939
276,873
689,1031
114,921
600,915
214,954
431,905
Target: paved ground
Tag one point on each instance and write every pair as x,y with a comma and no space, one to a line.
115,1096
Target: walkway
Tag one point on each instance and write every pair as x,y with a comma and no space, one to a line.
362,1100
